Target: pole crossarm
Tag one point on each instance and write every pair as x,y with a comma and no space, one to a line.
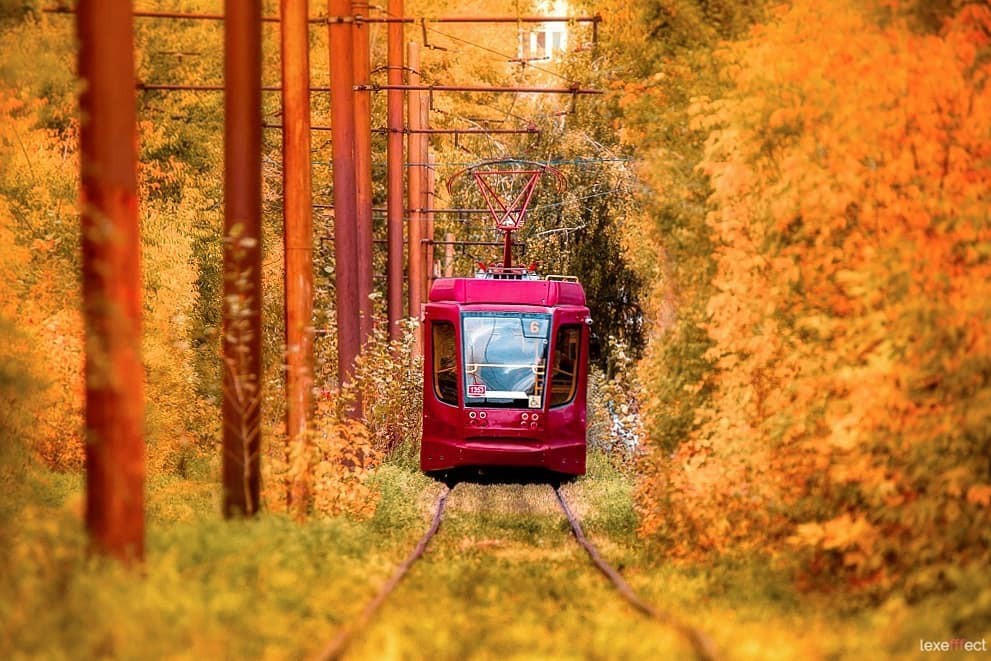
385,209
165,87
468,131
520,245
574,89
357,18
448,131
480,19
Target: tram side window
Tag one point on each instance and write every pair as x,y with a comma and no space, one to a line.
445,362
564,378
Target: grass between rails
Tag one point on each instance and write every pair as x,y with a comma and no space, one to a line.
503,578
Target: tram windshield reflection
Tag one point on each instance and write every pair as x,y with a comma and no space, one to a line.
505,358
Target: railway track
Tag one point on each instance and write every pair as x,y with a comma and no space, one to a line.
339,644
701,645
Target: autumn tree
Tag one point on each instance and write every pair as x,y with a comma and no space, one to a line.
848,314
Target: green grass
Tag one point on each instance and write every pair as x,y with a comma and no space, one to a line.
503,579
209,588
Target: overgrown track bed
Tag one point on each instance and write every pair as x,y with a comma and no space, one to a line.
699,642
703,647
339,644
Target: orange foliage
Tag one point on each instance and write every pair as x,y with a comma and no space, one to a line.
345,456
851,318
37,290
336,463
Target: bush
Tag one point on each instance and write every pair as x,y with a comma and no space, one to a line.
850,410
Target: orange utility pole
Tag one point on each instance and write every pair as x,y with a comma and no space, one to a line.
115,460
430,199
345,205
298,239
242,326
394,190
415,184
363,166
449,255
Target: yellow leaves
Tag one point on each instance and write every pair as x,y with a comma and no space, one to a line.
59,410
844,434
843,533
954,479
807,534
342,459
781,117
42,246
979,494
849,315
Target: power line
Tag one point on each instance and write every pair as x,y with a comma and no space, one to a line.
491,51
554,163
499,53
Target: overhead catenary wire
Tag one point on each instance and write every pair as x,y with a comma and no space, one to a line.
477,212
357,18
572,90
493,51
323,20
552,162
502,55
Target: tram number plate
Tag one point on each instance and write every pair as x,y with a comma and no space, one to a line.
534,401
476,390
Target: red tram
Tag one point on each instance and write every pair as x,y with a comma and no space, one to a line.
505,363
505,372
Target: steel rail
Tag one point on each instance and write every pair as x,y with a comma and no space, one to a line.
339,644
703,647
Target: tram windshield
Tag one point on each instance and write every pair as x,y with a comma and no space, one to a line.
505,358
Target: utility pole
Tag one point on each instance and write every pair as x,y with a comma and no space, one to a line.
363,166
345,203
449,254
414,188
115,462
242,354
298,241
430,201
394,190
